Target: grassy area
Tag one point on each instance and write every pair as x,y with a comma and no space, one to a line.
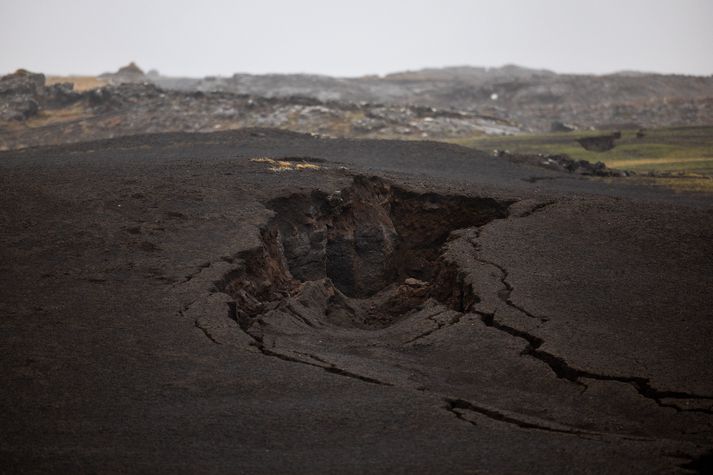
688,183
685,151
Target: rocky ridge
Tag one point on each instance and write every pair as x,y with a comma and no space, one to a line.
33,113
533,98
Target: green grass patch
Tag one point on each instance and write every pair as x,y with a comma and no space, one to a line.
679,149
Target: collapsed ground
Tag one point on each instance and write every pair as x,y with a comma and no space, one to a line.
186,303
374,248
383,285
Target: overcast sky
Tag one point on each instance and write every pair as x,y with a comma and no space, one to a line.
221,37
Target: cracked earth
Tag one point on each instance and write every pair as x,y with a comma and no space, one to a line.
172,304
370,281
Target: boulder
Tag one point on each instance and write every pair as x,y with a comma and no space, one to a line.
599,143
558,126
60,94
20,95
126,74
22,82
563,163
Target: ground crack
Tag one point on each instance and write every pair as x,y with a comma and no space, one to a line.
537,208
564,371
456,406
559,366
439,325
206,332
508,288
325,365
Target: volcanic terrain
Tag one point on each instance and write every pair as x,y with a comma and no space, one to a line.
263,301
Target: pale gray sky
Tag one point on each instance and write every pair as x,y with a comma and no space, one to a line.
220,37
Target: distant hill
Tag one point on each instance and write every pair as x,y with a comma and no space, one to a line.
534,98
129,73
436,103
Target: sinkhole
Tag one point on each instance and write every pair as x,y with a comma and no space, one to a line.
362,257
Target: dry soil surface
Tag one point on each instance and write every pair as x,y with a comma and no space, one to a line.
179,304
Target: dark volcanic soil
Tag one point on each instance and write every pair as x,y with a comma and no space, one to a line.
172,304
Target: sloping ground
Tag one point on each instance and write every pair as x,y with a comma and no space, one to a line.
169,304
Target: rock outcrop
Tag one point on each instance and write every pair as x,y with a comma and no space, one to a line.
599,143
23,94
563,163
19,92
129,73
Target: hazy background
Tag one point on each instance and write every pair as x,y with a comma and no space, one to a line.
220,37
